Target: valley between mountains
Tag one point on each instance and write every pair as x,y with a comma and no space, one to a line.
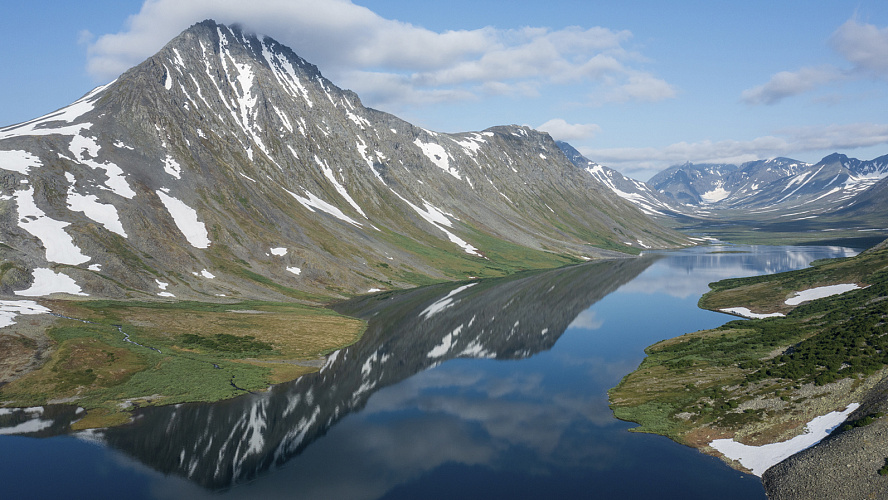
176,220
181,234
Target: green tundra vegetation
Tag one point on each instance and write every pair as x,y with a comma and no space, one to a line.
761,380
110,356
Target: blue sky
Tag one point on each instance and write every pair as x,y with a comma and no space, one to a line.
635,85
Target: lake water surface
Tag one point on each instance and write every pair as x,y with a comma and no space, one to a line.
492,389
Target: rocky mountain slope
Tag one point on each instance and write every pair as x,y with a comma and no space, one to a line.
641,194
227,166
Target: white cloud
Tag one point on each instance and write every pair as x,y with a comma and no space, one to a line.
640,86
837,137
790,83
395,63
586,320
865,46
560,130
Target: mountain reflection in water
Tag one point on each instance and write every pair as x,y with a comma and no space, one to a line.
388,418
217,445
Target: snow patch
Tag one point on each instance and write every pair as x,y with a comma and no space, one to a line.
759,458
820,292
179,60
476,350
82,146
439,219
446,344
472,144
295,270
41,125
186,220
59,245
328,173
103,213
717,194
172,167
206,274
359,121
362,149
314,204
443,303
168,78
746,313
9,309
47,282
18,161
279,251
438,156
285,74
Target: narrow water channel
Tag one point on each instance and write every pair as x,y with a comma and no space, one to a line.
481,389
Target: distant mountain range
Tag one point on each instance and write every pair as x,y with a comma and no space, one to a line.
227,166
836,186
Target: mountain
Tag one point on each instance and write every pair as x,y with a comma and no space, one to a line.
779,183
719,183
751,176
641,194
831,184
761,199
871,202
227,166
694,183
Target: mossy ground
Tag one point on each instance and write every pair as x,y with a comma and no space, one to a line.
762,380
188,351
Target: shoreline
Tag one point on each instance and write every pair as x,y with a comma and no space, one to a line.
757,392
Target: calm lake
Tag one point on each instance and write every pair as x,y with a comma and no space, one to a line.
491,389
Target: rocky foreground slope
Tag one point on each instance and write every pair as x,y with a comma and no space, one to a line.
227,166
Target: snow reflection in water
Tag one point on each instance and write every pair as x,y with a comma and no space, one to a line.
414,404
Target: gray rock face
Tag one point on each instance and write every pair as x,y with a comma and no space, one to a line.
227,166
844,465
